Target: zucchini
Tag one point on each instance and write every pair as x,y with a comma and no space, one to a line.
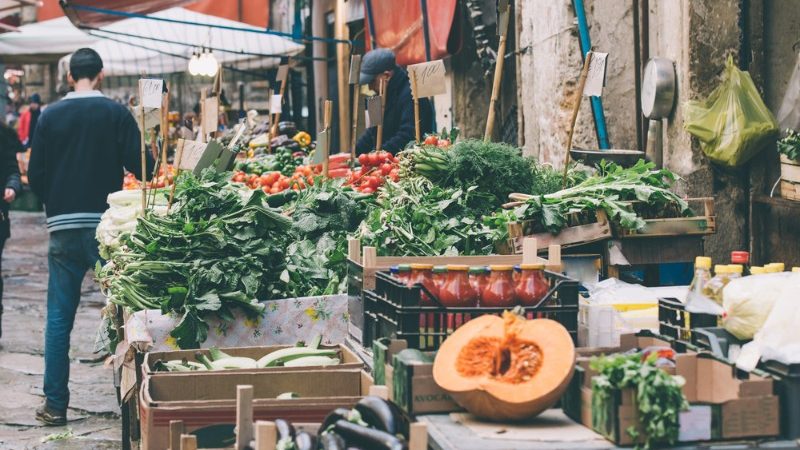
307,361
284,355
234,362
217,354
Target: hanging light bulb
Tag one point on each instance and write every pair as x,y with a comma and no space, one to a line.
194,64
208,63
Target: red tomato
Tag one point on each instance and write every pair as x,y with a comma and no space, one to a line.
363,159
443,143
239,177
374,159
374,182
284,183
266,189
431,140
386,168
394,175
367,190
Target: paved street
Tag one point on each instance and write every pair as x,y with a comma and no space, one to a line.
93,415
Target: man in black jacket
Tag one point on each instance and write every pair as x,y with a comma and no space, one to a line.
82,145
398,116
10,179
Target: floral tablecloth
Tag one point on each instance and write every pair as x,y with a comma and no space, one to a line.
286,321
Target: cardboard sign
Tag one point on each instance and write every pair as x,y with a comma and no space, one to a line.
503,14
596,78
199,155
152,90
211,114
283,73
374,111
152,117
239,133
355,69
430,79
322,147
275,104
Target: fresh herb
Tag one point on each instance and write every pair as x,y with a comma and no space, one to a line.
789,146
659,398
547,180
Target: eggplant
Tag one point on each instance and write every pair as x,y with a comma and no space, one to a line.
335,415
305,441
331,441
285,430
364,437
383,415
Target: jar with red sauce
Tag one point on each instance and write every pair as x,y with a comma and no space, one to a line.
439,277
478,278
499,291
457,291
422,274
403,273
532,285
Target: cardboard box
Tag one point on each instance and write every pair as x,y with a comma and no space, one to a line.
410,383
349,360
209,398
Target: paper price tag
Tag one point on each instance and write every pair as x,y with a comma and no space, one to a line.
430,79
192,152
152,117
283,73
152,90
322,147
211,114
275,104
374,111
596,78
355,69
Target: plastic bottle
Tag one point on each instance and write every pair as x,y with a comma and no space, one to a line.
717,283
702,275
735,271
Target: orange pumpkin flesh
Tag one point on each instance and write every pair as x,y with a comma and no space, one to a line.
506,368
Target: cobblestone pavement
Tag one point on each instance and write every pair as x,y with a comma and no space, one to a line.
93,414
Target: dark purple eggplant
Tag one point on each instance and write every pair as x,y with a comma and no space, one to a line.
383,415
331,441
305,441
364,437
285,430
333,417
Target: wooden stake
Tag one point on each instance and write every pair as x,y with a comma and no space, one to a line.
575,110
498,77
188,442
165,134
203,124
270,136
354,133
178,158
416,105
328,116
175,432
244,416
379,133
342,32
143,150
266,435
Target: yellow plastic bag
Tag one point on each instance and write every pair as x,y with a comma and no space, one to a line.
733,123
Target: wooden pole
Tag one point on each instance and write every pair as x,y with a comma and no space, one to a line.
278,114
498,77
244,416
188,442
165,134
379,133
270,118
203,124
354,132
581,84
143,150
178,158
327,123
175,432
416,105
342,32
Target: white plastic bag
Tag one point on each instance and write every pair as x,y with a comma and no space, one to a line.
747,302
778,338
789,112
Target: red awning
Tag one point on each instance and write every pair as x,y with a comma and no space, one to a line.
90,13
400,28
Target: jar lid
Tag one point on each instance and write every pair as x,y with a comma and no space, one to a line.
740,257
538,266
404,267
500,267
477,270
439,269
421,266
721,268
755,270
775,267
702,262
795,269
394,269
457,267
735,268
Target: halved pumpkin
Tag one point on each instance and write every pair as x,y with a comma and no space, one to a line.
506,368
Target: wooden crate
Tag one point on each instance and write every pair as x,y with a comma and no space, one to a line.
790,179
568,237
679,226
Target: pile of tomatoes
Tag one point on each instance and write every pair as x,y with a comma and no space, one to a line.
130,182
376,168
436,141
275,182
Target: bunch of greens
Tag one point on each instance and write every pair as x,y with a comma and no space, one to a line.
414,217
659,398
613,189
221,248
323,216
547,180
789,146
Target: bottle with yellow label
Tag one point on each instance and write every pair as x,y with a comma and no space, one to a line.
702,274
721,278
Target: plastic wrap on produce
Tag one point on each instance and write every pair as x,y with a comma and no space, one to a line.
286,321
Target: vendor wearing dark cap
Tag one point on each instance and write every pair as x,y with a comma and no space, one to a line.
398,116
28,121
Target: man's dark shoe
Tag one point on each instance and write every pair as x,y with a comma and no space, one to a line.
50,417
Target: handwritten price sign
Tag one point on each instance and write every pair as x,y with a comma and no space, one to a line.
596,77
430,79
152,90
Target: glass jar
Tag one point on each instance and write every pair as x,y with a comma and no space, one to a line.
532,286
422,274
457,291
478,277
517,272
439,277
403,272
499,291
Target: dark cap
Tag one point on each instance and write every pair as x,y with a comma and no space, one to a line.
376,62
85,63
34,98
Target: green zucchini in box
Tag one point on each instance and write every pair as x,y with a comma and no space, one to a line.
408,374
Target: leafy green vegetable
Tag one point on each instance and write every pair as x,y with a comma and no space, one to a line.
790,145
659,398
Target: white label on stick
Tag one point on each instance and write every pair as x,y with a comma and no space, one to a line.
211,114
596,78
275,104
192,152
430,79
152,117
355,69
152,90
283,73
322,147
239,133
374,111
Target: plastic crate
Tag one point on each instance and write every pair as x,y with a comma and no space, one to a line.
674,322
393,309
718,341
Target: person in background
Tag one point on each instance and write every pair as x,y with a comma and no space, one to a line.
9,176
28,121
82,146
187,127
398,115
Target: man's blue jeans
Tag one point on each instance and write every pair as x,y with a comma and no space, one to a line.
70,255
